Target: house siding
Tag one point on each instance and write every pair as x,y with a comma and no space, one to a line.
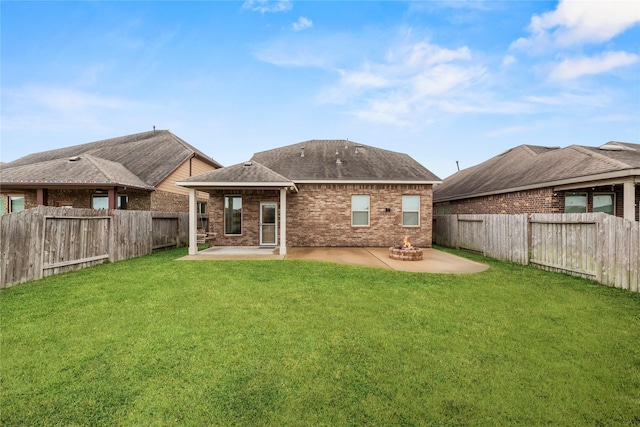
320,215
191,167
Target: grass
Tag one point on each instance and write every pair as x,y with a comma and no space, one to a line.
154,342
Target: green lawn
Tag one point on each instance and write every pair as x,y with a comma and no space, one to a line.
155,342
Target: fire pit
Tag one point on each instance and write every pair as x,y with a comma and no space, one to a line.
405,252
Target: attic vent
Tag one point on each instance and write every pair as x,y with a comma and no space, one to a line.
74,158
248,164
611,147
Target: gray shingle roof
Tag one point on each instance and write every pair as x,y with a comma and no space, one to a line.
85,169
535,166
241,173
150,156
342,160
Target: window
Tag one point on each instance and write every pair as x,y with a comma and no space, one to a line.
232,214
575,203
410,211
604,203
100,201
359,210
202,207
123,201
16,204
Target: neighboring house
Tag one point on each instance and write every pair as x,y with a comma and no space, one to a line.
319,193
533,179
135,172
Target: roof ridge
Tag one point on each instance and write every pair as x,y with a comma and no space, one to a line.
607,159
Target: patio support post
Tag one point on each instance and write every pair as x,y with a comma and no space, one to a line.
629,194
193,222
283,221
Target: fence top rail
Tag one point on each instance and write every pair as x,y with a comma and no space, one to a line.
75,217
547,221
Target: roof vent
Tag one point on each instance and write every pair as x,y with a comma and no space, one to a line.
74,158
358,146
248,164
338,162
301,151
611,147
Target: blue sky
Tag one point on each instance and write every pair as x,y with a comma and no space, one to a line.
443,81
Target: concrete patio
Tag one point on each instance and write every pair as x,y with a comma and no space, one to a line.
434,261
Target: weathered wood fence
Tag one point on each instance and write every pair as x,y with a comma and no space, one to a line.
594,245
45,240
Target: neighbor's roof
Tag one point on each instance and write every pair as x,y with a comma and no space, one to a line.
529,166
145,158
81,170
342,160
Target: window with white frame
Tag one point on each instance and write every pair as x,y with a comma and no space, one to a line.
604,202
359,210
575,203
410,211
233,215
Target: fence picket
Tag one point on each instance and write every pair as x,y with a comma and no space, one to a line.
46,240
593,245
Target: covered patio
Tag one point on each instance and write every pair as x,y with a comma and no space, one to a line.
241,179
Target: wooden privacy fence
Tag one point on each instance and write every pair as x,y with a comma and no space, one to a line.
593,245
45,240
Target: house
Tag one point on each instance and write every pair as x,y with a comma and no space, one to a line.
129,172
534,179
318,193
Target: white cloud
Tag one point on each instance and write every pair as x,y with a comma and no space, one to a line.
267,5
509,60
576,22
576,67
411,82
302,24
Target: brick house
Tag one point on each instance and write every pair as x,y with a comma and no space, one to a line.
318,193
534,179
135,172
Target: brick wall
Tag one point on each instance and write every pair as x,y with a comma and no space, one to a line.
542,200
320,215
520,202
164,201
